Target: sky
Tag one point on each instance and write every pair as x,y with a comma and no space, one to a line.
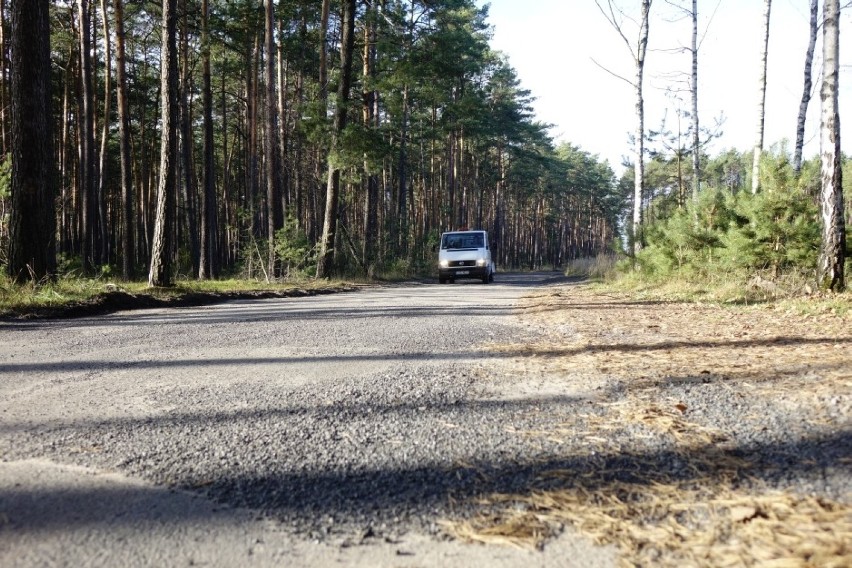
568,55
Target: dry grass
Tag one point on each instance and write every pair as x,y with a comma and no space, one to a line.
675,525
596,268
728,288
650,341
716,515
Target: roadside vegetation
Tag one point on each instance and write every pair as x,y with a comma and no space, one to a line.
73,295
729,246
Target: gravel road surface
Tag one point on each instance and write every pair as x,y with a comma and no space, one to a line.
336,429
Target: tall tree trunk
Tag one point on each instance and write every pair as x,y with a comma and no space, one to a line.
696,145
128,225
190,187
146,176
833,252
87,139
32,226
639,165
347,45
283,120
4,88
252,166
227,221
370,116
207,266
304,209
761,100
638,53
161,270
103,223
273,189
66,208
402,174
806,89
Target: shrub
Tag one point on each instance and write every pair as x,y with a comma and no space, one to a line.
777,231
774,230
293,250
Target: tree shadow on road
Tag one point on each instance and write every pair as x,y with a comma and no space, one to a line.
400,489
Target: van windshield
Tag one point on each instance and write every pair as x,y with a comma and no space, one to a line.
462,241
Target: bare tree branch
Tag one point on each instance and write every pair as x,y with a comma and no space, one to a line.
614,21
616,75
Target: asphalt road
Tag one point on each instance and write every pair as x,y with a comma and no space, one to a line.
335,429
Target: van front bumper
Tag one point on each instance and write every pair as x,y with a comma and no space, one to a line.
455,272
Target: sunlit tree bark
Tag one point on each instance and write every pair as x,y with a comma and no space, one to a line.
127,221
271,155
347,45
806,90
833,252
696,144
186,147
87,139
370,103
161,270
104,252
207,256
761,100
639,166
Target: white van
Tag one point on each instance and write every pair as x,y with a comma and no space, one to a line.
465,254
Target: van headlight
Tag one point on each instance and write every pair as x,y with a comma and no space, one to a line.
480,262
443,263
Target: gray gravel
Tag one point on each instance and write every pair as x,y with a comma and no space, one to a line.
794,444
347,419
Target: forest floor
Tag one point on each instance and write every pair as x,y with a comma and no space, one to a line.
713,435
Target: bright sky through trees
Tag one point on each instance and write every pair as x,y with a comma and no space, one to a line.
554,46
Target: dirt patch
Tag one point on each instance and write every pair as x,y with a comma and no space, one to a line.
713,435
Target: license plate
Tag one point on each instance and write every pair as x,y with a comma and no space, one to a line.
463,272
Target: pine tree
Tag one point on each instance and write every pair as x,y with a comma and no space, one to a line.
161,272
32,250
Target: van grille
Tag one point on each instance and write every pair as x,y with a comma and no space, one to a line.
454,263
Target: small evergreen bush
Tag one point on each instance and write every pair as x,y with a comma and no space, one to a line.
776,231
293,250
